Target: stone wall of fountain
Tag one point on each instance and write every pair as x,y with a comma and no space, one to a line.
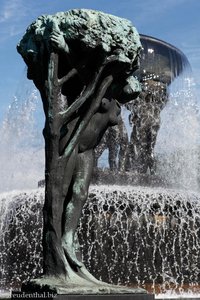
142,236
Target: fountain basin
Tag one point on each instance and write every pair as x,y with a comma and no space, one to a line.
144,236
160,60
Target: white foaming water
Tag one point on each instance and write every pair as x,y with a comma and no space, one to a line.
152,235
143,235
21,147
178,141
20,231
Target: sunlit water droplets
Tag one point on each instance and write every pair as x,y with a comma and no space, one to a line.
21,148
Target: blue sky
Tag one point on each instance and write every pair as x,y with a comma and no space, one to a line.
174,21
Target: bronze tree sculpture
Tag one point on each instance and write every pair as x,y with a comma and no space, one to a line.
81,62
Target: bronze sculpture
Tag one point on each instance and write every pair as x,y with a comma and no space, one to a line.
81,61
160,64
145,121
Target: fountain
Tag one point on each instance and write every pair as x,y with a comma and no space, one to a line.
161,67
20,130
146,236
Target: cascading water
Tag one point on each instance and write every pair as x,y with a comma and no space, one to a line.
146,236
177,147
21,229
143,236
21,147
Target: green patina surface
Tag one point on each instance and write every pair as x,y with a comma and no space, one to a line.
103,50
92,28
